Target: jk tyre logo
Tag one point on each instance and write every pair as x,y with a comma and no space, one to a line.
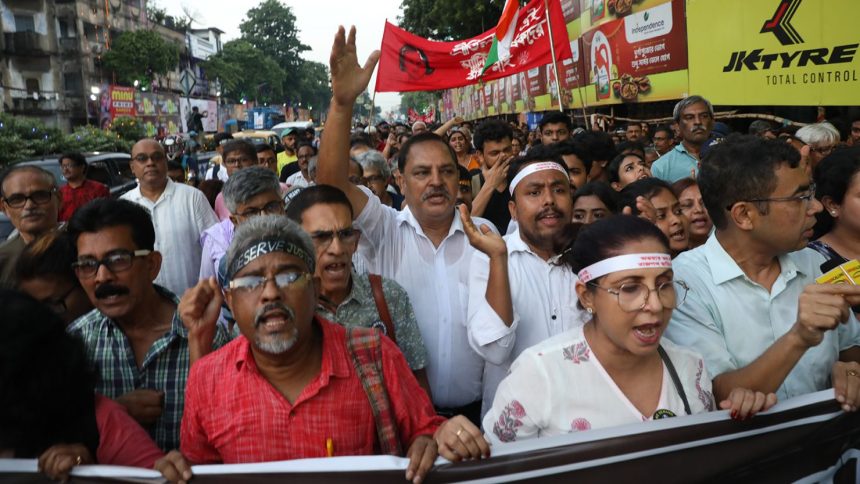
780,23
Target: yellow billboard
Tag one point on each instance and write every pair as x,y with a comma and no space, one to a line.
774,52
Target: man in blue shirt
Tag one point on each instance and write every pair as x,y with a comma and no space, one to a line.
754,309
695,118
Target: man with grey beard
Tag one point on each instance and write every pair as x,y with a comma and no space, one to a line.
295,385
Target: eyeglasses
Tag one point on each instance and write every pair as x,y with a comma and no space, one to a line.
156,157
356,180
238,161
805,198
284,280
39,197
117,261
272,208
633,296
374,179
323,238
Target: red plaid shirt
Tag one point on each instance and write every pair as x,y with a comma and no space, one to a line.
234,415
74,198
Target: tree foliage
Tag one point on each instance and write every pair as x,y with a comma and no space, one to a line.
246,72
161,17
140,55
418,100
447,20
271,27
22,138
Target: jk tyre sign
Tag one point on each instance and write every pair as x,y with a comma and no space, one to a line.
781,52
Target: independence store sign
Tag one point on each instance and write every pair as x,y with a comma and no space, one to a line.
780,52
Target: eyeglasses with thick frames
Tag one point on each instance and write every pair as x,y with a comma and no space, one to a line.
157,157
39,197
633,296
805,198
117,261
283,281
323,238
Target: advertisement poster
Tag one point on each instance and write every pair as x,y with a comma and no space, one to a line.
207,107
121,101
779,52
641,57
159,113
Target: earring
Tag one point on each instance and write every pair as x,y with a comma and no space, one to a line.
589,310
833,213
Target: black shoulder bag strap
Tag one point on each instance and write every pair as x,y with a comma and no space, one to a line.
675,379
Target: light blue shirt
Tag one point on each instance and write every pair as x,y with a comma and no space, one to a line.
676,164
732,320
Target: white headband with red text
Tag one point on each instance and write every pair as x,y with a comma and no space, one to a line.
534,167
623,263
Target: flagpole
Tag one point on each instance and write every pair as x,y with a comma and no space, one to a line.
552,52
372,107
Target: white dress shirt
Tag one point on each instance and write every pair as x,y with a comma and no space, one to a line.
179,215
544,303
436,279
297,180
732,320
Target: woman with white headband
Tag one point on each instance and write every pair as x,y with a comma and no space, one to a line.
615,369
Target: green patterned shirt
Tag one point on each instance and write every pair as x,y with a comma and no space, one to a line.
165,366
359,309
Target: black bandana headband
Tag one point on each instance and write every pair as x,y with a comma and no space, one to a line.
260,247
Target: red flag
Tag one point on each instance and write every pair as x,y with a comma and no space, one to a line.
412,63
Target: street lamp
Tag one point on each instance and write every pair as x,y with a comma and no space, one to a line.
136,83
95,90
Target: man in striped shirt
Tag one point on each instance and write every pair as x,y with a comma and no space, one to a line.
136,342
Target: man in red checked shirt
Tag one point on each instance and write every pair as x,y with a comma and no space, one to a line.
294,385
78,190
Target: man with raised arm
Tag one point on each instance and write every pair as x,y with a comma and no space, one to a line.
424,247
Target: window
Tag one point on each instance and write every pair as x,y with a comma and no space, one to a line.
73,82
32,85
25,23
66,31
98,171
124,168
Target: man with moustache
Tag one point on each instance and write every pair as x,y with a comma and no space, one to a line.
78,189
135,339
754,309
695,118
180,213
295,385
518,295
28,196
664,139
423,247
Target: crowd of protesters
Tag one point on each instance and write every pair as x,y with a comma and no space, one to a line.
423,291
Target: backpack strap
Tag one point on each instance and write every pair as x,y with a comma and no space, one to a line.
382,306
365,348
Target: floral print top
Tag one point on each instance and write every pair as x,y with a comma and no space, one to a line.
559,386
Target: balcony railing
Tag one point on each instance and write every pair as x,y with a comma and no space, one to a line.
26,43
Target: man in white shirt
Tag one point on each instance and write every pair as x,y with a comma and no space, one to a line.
754,310
180,213
539,301
216,170
423,247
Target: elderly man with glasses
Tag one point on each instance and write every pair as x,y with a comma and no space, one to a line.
295,385
134,337
180,213
28,196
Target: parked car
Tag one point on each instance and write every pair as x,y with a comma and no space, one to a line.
261,136
112,169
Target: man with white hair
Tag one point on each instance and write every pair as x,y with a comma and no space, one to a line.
377,176
821,138
418,127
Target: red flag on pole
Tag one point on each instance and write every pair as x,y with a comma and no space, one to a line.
413,63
